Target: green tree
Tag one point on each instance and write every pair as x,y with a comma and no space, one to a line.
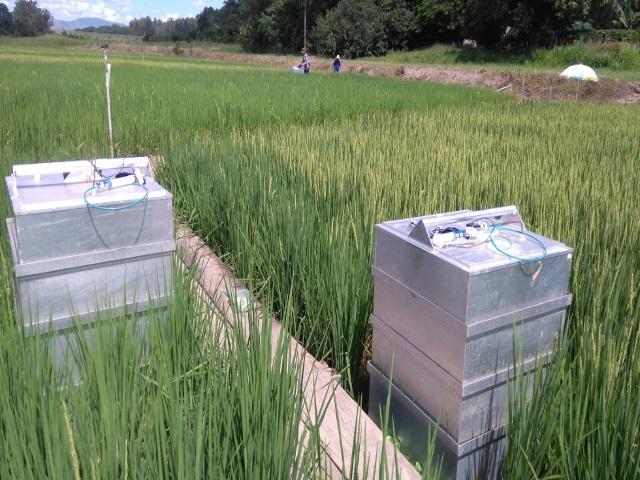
282,24
534,22
399,23
601,13
229,29
207,20
29,20
627,13
252,37
547,22
441,20
220,25
181,30
144,26
624,14
354,28
6,20
487,23
278,25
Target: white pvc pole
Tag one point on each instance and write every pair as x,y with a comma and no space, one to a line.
107,73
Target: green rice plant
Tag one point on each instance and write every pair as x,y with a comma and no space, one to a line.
582,406
202,401
286,176
296,206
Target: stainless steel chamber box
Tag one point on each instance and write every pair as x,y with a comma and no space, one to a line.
462,305
464,410
469,351
414,429
460,300
78,251
52,218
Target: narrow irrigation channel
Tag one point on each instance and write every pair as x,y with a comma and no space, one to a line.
353,445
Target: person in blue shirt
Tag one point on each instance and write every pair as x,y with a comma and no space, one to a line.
336,64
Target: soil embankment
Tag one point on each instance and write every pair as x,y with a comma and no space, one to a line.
536,86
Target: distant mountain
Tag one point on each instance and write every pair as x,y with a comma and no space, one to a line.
79,23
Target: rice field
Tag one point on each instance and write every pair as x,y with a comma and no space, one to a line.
285,177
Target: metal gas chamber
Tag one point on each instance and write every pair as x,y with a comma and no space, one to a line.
88,237
459,300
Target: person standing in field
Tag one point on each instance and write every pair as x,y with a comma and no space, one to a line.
336,64
306,64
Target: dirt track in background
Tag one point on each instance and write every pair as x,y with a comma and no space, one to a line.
537,86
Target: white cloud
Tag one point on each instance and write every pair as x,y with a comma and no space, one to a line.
113,10
124,4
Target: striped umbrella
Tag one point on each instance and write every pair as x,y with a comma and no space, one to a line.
580,73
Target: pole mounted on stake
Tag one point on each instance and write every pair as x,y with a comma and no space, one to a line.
305,26
107,74
306,6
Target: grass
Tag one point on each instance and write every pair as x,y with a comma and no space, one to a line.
102,37
442,54
621,60
57,39
286,177
79,39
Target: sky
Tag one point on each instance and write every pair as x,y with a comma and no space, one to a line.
122,10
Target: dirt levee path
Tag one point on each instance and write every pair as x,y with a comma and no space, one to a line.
524,85
532,85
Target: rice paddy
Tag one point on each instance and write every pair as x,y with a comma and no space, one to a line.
285,177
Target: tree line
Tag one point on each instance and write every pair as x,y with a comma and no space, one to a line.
356,28
26,19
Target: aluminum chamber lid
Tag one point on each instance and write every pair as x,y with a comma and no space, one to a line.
478,241
56,197
77,171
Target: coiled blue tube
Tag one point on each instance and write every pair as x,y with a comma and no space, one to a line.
119,207
525,234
